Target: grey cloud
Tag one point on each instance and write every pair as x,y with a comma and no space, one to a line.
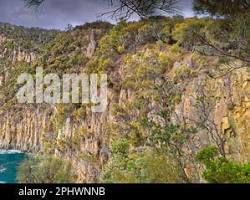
59,13
53,13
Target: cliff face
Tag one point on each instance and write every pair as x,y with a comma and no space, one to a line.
224,103
216,104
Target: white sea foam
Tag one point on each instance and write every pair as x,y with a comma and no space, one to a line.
10,152
2,170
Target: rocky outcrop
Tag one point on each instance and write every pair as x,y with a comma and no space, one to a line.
22,55
92,44
24,130
17,54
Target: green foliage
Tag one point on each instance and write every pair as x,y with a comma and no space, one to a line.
67,52
30,39
182,73
151,134
187,32
208,154
150,64
63,53
17,40
45,169
221,8
63,143
9,89
221,170
99,25
227,37
128,36
175,48
146,167
120,147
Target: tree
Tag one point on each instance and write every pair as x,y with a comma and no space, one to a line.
233,29
140,167
221,170
45,169
127,8
142,8
221,8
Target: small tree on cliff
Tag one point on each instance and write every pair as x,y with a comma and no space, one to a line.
221,170
45,169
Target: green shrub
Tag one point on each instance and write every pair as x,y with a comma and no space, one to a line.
186,32
147,167
45,169
222,170
120,146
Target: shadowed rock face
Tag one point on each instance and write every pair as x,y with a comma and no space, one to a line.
85,139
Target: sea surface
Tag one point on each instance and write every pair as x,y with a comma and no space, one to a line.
9,161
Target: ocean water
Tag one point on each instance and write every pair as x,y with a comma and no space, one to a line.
9,161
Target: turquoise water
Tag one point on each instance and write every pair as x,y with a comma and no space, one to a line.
9,160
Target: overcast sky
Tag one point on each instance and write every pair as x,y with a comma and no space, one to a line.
58,13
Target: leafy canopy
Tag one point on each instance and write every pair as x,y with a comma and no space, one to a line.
221,170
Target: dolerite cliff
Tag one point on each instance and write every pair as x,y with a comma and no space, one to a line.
137,57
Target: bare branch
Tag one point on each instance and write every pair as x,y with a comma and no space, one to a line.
126,8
